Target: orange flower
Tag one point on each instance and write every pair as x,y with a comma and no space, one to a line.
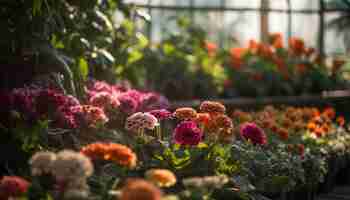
277,40
319,132
120,154
185,113
138,189
296,46
329,112
265,51
211,48
253,47
161,177
202,118
236,57
212,107
341,121
283,133
311,126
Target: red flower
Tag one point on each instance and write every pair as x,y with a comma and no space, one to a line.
252,132
161,114
188,133
12,186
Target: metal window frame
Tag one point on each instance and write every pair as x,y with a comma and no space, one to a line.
192,8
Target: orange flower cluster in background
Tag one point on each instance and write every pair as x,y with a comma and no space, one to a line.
274,52
292,120
120,154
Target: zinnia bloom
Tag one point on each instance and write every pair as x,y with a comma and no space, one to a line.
139,121
202,118
138,189
187,133
252,132
161,177
185,113
212,107
120,154
12,186
161,114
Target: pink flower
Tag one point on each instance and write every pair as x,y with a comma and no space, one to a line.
104,100
250,131
128,104
12,186
139,121
161,114
187,133
92,115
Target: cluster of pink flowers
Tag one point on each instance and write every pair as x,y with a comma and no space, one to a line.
127,100
253,133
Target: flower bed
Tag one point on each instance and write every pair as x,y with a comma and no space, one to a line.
149,152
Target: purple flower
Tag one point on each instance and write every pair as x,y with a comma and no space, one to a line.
187,133
250,131
161,114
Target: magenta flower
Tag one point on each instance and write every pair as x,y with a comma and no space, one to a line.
250,131
161,114
187,133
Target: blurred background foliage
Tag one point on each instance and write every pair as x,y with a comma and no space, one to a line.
99,39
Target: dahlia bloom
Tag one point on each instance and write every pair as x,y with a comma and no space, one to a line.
140,121
137,189
185,113
187,133
250,131
212,107
120,154
161,177
161,114
12,186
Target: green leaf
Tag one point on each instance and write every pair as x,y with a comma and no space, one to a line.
83,68
37,7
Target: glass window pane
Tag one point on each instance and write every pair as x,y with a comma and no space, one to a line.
336,40
214,3
243,3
